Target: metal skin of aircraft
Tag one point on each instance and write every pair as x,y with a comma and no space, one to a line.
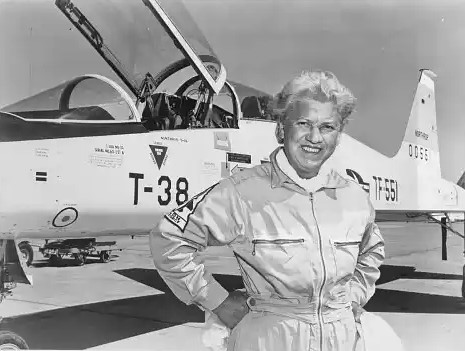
90,158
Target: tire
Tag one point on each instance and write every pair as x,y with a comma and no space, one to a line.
26,250
80,259
11,341
105,256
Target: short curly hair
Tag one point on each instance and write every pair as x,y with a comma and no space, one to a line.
322,86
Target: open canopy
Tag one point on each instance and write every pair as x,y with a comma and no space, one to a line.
143,41
141,38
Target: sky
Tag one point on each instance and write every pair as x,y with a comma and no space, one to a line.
375,48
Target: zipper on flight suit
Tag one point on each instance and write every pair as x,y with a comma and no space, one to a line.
319,304
346,243
274,241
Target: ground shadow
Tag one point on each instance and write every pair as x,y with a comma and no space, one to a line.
411,302
146,276
90,325
150,277
384,300
390,273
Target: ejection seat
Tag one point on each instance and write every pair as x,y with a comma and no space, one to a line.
251,108
157,113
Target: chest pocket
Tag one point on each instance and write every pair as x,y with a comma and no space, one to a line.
279,245
345,256
284,262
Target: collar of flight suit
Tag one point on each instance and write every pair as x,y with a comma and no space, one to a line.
330,180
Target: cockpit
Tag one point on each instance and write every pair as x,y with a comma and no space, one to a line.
168,77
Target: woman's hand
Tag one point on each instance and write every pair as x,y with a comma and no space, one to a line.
233,309
357,310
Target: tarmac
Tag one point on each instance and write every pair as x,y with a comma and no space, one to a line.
124,304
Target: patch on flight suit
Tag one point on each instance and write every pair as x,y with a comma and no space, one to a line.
180,216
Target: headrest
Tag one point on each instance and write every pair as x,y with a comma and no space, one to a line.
250,107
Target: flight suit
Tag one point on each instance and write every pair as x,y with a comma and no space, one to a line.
304,257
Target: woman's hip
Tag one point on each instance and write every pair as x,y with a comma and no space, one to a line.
269,331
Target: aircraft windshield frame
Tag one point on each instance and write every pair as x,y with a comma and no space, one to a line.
215,83
163,40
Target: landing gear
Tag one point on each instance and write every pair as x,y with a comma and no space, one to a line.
11,341
463,271
27,252
11,273
445,227
463,282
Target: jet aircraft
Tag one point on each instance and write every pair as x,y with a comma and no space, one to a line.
96,156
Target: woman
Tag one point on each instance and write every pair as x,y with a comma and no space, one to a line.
304,237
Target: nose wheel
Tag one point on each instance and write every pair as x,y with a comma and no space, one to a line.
11,341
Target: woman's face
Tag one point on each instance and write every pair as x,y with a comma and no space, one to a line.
311,133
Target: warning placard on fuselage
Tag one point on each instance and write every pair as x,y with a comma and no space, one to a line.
239,158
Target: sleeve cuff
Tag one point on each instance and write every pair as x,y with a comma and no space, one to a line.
211,296
357,294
